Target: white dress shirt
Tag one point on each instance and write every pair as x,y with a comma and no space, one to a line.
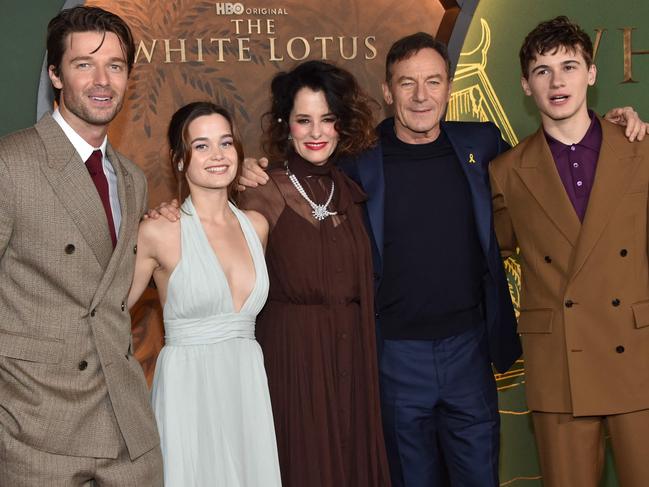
84,149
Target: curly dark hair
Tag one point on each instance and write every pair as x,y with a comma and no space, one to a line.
346,100
85,19
180,148
551,35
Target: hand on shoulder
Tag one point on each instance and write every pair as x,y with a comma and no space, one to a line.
170,211
252,173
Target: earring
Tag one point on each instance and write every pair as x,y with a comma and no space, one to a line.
180,166
290,137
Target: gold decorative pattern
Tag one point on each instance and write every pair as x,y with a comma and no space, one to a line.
474,97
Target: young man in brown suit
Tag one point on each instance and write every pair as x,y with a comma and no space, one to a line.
74,406
573,197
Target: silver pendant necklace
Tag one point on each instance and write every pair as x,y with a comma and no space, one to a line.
319,212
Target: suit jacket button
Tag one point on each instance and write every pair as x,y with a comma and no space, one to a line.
569,303
619,349
615,302
623,252
135,249
123,306
69,249
93,312
83,365
548,259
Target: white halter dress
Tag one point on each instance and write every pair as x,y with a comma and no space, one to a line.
210,394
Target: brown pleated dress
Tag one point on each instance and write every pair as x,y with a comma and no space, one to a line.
317,331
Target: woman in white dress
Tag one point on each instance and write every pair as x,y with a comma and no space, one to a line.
210,394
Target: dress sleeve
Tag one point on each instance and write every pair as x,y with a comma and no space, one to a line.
266,199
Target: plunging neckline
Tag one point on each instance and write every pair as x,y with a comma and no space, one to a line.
215,257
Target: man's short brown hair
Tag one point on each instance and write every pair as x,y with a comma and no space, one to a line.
85,19
551,35
408,46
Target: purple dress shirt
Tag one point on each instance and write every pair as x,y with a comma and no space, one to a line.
577,163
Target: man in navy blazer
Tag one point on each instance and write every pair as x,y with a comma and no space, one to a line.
443,309
476,143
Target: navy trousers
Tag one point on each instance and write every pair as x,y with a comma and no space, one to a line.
440,411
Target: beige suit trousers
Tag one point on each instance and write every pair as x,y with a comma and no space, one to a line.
571,449
24,466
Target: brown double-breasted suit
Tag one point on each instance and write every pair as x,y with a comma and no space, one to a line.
69,383
584,319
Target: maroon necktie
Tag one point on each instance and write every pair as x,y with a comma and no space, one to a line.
94,165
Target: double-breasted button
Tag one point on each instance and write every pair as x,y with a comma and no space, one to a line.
93,312
69,249
568,303
123,306
83,365
615,302
623,252
619,349
548,259
135,249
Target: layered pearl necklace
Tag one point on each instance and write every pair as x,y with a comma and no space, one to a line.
319,212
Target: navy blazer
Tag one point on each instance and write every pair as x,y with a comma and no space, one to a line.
475,145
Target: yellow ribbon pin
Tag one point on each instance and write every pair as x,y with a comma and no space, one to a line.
471,159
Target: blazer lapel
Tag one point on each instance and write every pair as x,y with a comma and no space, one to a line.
70,181
539,174
128,224
370,172
475,171
616,167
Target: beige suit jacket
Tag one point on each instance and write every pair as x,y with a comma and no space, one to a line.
584,319
69,383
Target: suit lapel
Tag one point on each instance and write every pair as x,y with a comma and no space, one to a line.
370,172
469,156
70,181
127,226
616,167
539,174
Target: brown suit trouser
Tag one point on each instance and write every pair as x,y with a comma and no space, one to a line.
571,449
24,466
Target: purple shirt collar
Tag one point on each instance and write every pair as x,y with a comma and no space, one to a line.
592,139
577,163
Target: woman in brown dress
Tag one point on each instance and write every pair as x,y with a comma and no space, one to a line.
317,328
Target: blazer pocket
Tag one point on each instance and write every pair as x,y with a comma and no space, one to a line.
535,320
29,348
641,314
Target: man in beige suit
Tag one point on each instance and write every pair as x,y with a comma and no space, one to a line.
74,406
573,197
